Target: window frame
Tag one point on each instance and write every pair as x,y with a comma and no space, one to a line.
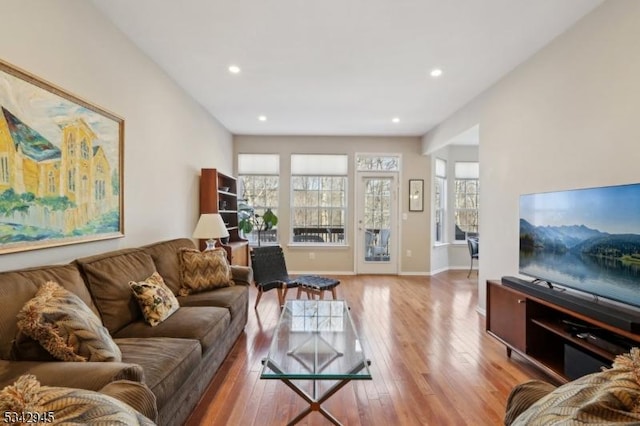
440,201
342,237
273,237
4,169
457,210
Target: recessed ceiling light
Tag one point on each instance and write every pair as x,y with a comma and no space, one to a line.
234,69
262,117
395,119
436,72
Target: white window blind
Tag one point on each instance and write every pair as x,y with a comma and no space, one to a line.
441,168
319,165
258,164
467,170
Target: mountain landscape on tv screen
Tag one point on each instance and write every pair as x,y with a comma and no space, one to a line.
579,240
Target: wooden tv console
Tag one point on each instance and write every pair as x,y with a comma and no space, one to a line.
537,329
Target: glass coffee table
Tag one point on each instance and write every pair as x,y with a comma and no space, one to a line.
314,342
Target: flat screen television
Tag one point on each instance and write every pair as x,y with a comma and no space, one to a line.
584,239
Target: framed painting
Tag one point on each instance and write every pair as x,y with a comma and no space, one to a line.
61,166
416,196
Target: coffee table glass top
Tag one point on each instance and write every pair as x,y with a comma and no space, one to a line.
315,340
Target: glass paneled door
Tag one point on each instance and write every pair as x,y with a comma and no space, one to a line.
377,225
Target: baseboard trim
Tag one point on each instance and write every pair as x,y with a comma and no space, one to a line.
438,271
408,274
322,273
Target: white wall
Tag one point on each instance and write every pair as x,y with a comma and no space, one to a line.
567,118
168,137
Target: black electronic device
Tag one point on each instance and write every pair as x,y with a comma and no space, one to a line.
612,315
578,363
584,239
607,343
578,327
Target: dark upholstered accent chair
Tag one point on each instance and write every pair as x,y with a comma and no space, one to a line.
270,272
473,244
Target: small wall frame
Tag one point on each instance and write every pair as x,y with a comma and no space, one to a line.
416,195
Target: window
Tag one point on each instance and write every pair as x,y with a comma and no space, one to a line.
440,197
71,180
51,183
467,195
258,188
319,198
71,145
100,190
382,163
4,169
84,186
84,150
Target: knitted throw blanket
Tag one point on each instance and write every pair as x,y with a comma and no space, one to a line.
610,397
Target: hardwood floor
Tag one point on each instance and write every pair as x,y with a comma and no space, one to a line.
432,361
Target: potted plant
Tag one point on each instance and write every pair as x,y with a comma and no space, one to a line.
249,220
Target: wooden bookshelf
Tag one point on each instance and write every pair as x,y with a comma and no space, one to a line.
219,194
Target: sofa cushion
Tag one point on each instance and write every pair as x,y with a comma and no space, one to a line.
20,286
234,298
156,300
108,277
167,363
45,404
200,271
242,275
205,324
82,375
165,257
66,327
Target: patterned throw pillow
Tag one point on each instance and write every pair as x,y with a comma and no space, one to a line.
66,327
57,405
205,270
155,299
24,348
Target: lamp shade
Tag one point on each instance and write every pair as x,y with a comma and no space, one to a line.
210,226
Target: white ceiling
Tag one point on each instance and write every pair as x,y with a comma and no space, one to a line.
339,67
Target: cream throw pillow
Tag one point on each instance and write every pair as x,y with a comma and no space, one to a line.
155,299
69,406
66,327
202,271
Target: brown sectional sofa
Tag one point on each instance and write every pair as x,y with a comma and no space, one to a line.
174,361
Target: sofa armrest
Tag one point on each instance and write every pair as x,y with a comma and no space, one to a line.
82,375
137,395
242,274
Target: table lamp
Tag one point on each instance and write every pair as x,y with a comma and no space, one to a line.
210,227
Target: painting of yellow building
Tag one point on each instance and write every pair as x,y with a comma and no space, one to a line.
60,166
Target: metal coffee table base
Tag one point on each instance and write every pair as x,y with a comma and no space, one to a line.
316,400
